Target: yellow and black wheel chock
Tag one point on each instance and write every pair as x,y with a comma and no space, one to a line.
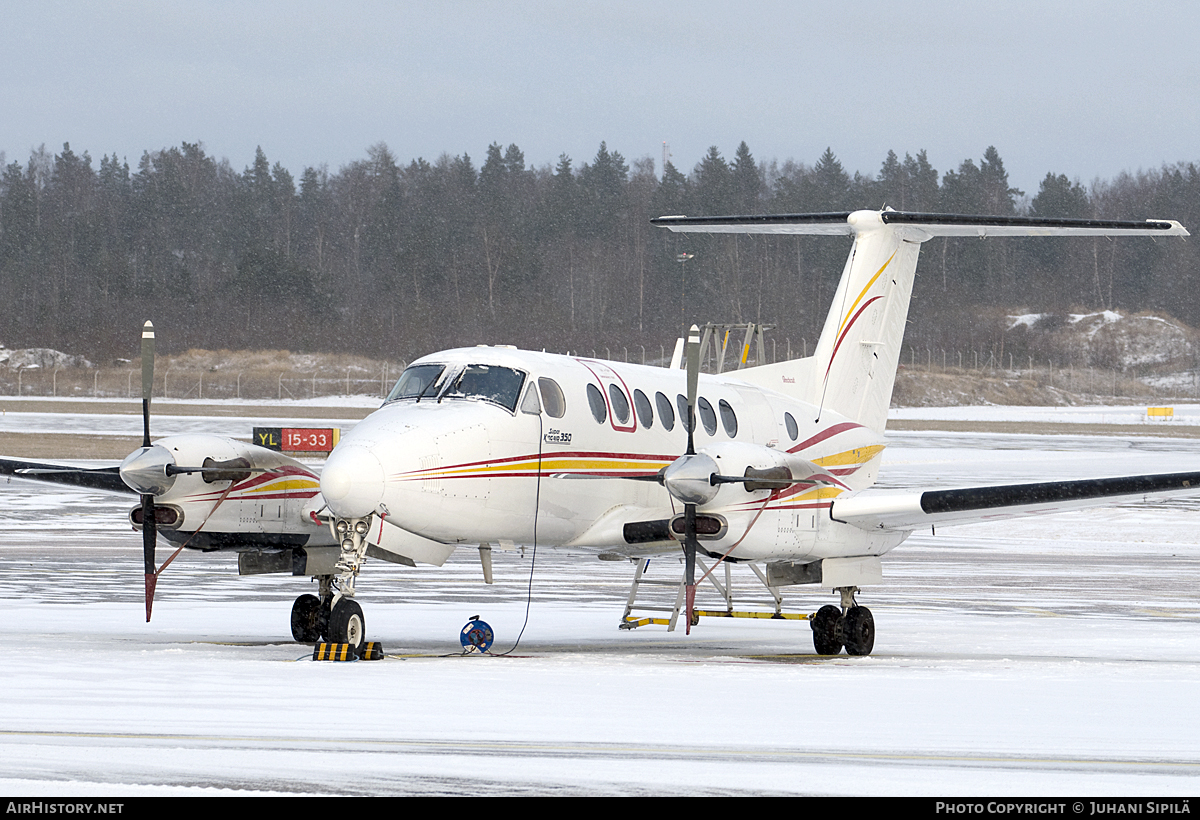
371,651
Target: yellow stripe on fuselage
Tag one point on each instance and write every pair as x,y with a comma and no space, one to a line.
283,486
859,455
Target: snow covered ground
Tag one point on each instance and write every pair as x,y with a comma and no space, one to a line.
1184,414
1045,657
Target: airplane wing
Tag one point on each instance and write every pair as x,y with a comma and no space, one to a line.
98,478
920,226
910,511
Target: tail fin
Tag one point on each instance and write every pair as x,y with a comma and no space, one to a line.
854,364
853,367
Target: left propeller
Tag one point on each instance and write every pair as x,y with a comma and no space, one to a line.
136,470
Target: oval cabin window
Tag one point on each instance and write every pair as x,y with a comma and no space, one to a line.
728,419
645,412
666,413
596,403
620,404
707,417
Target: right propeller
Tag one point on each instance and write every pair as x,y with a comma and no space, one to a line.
694,478
688,478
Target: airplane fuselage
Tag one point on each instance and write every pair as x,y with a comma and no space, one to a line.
538,449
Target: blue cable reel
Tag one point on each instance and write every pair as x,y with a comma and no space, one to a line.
476,636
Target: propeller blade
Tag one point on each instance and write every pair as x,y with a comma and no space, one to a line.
147,377
690,544
689,561
149,525
693,382
773,482
149,536
657,478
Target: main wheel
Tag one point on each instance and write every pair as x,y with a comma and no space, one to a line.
827,638
858,631
347,624
308,619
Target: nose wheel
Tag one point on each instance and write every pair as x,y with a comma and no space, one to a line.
347,624
309,619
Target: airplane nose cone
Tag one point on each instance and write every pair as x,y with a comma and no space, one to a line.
352,482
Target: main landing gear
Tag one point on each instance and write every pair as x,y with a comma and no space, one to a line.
850,625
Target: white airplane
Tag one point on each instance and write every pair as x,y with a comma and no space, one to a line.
484,447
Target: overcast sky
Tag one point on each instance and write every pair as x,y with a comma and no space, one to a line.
1088,89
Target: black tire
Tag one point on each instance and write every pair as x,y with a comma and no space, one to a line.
308,619
827,635
347,624
858,631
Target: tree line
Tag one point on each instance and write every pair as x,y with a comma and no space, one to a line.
392,260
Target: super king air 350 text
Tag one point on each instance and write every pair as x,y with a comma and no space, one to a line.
771,465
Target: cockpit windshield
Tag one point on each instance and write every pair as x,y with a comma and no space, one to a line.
488,382
417,382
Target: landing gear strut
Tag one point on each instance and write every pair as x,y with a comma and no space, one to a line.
851,626
346,621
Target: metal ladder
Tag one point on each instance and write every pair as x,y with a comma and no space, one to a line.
725,590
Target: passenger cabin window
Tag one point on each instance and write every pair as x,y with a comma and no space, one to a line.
707,417
490,383
666,413
728,419
418,381
687,424
645,412
552,398
596,403
790,423
620,404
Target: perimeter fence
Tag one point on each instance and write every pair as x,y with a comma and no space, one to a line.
267,383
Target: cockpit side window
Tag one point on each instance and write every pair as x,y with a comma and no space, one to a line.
420,381
530,403
488,382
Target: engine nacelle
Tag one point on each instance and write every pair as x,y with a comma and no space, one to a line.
238,495
769,469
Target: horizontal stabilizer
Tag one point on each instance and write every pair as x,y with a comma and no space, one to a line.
918,227
910,511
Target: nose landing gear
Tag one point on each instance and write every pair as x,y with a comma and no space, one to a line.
335,616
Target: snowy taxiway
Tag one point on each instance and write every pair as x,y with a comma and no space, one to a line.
1051,656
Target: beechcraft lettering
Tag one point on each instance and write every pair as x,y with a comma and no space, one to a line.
772,465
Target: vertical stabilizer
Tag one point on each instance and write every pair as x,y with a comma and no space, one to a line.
854,364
